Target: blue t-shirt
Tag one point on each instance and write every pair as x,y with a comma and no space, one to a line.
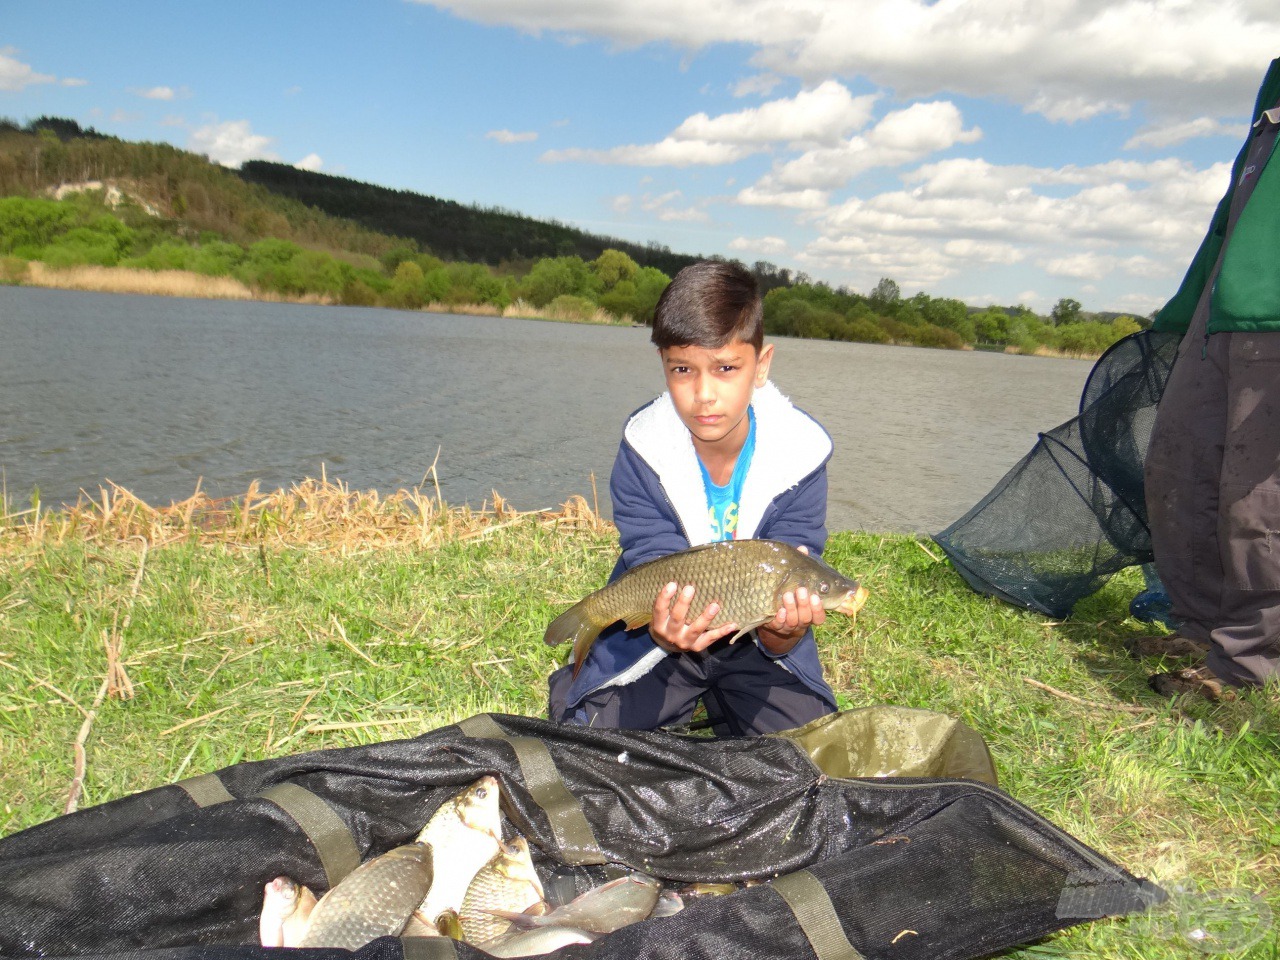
722,502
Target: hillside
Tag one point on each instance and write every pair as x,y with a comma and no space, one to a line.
450,230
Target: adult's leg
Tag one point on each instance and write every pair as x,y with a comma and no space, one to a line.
1246,637
1183,468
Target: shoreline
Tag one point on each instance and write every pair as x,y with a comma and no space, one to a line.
190,285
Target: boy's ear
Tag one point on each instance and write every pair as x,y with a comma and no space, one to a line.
763,359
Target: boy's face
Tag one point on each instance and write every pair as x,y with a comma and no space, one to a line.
712,389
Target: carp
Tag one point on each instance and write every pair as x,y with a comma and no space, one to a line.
507,882
464,834
746,577
374,900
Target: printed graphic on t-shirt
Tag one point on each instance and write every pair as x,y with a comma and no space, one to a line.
724,518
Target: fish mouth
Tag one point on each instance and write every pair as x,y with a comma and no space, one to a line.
853,601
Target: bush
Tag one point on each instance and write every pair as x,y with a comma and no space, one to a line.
12,270
568,307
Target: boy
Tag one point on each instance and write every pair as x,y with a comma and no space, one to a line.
721,455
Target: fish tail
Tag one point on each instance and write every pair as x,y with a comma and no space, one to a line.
577,625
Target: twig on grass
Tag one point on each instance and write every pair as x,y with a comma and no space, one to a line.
327,727
342,635
1126,707
115,683
187,723
932,556
81,757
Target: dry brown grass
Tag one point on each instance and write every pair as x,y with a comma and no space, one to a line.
323,514
527,311
160,283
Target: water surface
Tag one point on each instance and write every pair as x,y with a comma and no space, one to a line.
159,393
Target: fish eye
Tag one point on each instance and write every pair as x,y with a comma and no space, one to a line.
481,792
824,587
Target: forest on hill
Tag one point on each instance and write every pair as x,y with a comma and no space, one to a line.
73,197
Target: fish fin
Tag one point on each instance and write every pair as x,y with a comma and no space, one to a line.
577,626
638,619
521,921
745,630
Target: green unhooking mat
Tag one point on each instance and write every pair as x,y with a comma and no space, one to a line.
879,833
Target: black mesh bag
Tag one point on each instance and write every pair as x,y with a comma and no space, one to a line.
1072,512
928,860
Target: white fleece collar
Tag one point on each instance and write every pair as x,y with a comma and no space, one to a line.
790,445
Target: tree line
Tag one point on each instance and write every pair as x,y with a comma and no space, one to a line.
295,233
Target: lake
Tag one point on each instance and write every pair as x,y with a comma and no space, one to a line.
157,393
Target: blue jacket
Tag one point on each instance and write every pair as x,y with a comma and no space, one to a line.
660,507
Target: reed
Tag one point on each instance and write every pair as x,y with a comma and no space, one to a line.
321,513
158,283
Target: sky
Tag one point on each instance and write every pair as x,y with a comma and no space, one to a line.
995,151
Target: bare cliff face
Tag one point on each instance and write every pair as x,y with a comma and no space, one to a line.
113,194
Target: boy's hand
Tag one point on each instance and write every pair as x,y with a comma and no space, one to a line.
800,610
674,633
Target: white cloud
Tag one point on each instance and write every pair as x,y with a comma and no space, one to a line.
155,93
901,137
508,136
74,82
666,153
664,207
768,246
1080,266
1170,134
1082,223
767,196
1069,59
824,114
760,84
16,76
312,161
230,143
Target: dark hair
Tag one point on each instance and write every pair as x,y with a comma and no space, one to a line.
707,305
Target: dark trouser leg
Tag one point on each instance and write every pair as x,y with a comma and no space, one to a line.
758,695
663,696
1213,497
1246,638
1183,467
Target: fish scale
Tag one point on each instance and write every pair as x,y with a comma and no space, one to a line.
374,900
748,578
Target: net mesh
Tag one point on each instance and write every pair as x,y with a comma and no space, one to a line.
1072,513
914,869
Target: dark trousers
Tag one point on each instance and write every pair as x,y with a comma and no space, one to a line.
1213,496
745,692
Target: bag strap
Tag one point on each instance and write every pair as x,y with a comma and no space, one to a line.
428,948
327,832
569,825
206,789
816,915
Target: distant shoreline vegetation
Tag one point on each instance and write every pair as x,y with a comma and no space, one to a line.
83,211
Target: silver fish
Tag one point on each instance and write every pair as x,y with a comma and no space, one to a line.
532,943
374,900
464,835
286,912
602,909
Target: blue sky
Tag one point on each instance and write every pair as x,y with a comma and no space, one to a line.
1006,151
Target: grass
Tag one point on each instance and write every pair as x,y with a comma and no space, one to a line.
139,645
